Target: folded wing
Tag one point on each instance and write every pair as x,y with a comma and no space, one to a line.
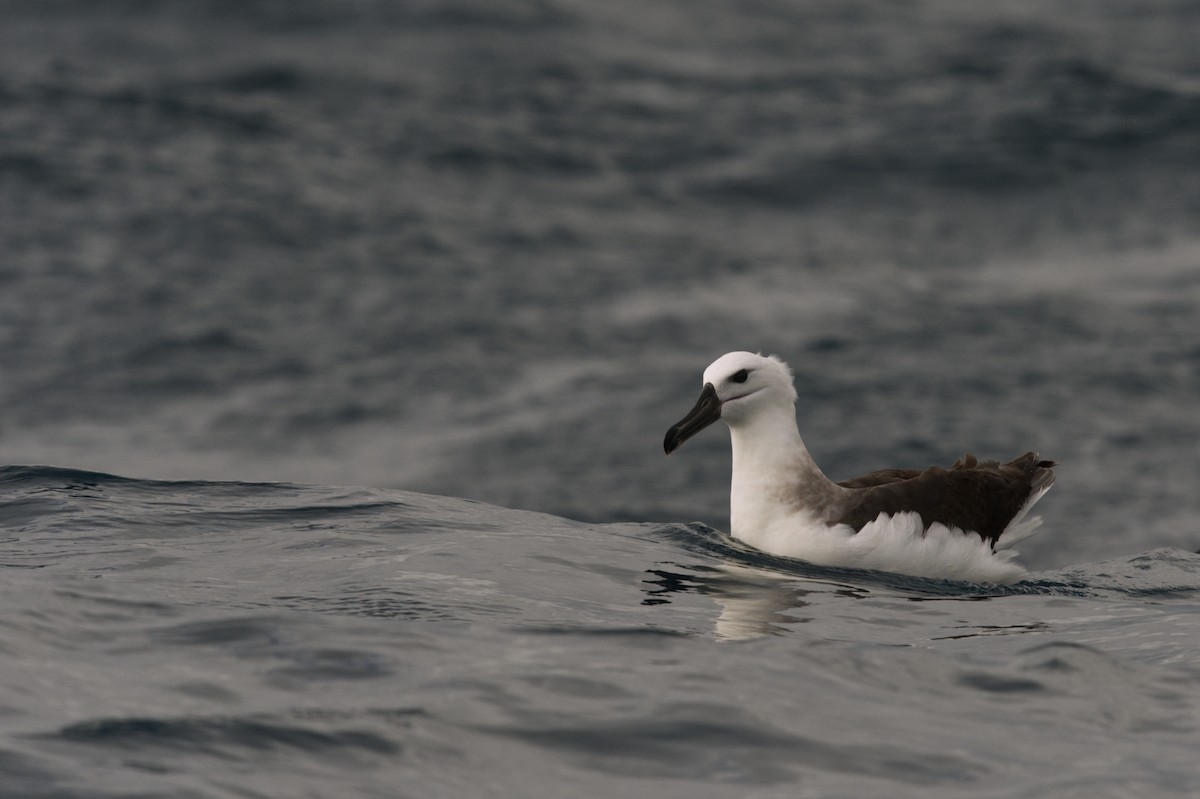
981,497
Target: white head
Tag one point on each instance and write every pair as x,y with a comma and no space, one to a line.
736,387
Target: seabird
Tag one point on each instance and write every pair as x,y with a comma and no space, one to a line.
956,523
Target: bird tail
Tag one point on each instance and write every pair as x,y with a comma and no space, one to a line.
1041,476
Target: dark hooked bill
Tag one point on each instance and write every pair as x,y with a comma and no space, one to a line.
706,411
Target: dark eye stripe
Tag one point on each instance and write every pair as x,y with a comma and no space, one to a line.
740,376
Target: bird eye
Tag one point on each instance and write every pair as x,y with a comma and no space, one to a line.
740,376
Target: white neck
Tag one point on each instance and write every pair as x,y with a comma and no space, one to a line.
773,474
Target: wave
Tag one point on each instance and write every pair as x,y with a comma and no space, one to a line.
220,735
32,496
1165,572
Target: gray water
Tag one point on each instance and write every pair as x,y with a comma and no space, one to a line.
483,251
236,639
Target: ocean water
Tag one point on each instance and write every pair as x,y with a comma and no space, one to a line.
472,256
242,639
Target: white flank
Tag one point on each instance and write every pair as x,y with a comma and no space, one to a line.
897,543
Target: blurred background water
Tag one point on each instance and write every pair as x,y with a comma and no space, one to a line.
484,248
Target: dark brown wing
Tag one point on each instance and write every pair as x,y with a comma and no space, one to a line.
879,478
973,495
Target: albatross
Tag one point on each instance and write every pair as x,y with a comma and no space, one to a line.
955,523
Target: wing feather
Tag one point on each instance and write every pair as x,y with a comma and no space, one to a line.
981,497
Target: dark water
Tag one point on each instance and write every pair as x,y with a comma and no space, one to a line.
483,249
239,639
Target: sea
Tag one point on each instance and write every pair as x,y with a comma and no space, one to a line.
338,339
